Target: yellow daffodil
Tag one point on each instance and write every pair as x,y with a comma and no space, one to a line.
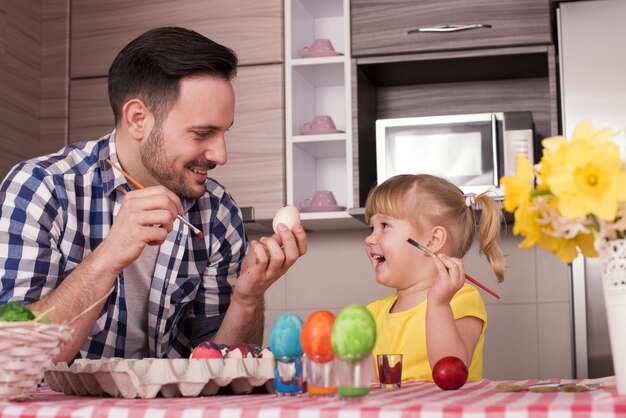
518,188
526,226
553,154
586,243
567,249
579,196
587,176
529,225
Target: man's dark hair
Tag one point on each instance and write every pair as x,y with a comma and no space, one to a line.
151,66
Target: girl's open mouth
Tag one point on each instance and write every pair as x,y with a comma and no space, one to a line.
378,258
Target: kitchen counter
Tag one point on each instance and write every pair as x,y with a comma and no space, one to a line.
413,399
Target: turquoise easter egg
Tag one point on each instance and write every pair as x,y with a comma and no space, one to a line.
354,333
285,335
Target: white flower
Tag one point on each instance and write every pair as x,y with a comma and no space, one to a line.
557,226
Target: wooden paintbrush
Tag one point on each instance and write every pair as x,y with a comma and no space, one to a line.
471,279
139,186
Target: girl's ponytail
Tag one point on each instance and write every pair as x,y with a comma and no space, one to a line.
488,231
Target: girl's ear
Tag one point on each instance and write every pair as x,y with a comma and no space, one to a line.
438,238
134,118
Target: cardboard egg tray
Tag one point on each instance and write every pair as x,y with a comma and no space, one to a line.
151,377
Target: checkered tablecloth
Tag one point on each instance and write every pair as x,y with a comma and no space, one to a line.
413,400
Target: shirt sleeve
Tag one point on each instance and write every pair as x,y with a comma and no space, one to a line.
468,302
30,229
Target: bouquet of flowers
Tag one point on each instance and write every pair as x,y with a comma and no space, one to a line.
574,198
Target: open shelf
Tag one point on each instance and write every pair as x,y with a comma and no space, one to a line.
318,87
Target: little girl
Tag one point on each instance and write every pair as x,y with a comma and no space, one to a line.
433,313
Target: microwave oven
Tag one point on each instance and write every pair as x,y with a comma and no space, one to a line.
472,151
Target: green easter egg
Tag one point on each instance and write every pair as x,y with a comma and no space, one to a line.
354,333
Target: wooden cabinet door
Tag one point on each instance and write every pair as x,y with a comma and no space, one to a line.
20,64
91,116
387,27
100,29
255,172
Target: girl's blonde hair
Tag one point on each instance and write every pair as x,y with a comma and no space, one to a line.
428,201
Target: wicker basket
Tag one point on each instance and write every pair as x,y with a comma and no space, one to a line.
26,351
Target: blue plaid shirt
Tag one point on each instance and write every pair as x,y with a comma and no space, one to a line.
58,208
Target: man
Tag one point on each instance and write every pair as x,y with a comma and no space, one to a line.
80,242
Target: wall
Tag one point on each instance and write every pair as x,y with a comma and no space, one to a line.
528,334
33,79
53,115
20,65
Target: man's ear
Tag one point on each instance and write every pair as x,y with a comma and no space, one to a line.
438,238
134,118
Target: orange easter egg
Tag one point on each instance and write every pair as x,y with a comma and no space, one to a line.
315,336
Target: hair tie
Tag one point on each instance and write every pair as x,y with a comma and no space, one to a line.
470,201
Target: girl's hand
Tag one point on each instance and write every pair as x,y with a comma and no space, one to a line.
450,278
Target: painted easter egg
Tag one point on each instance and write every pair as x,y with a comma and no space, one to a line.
206,349
315,337
354,333
287,215
285,335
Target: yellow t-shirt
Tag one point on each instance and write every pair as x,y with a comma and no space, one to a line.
405,332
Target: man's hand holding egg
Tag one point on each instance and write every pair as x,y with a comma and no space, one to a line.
270,257
287,215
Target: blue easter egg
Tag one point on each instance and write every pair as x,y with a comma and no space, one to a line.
285,335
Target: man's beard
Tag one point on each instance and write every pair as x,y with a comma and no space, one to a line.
155,161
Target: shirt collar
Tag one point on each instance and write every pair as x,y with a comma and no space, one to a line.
111,178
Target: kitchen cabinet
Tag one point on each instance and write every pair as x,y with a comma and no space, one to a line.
255,170
318,109
99,29
504,61
20,62
389,27
90,114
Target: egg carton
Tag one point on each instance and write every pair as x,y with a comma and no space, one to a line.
151,377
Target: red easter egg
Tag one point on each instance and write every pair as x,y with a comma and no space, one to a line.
315,336
206,350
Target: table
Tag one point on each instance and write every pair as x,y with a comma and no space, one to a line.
414,400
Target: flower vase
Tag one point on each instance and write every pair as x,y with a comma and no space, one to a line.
613,256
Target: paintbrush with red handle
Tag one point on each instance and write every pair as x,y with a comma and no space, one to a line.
139,186
471,279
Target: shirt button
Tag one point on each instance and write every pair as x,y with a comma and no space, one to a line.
179,236
120,324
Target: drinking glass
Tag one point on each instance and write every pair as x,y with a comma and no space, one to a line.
288,375
320,377
354,377
389,370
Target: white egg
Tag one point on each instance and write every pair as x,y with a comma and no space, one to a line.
287,215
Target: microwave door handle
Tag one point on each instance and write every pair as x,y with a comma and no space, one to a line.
494,147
